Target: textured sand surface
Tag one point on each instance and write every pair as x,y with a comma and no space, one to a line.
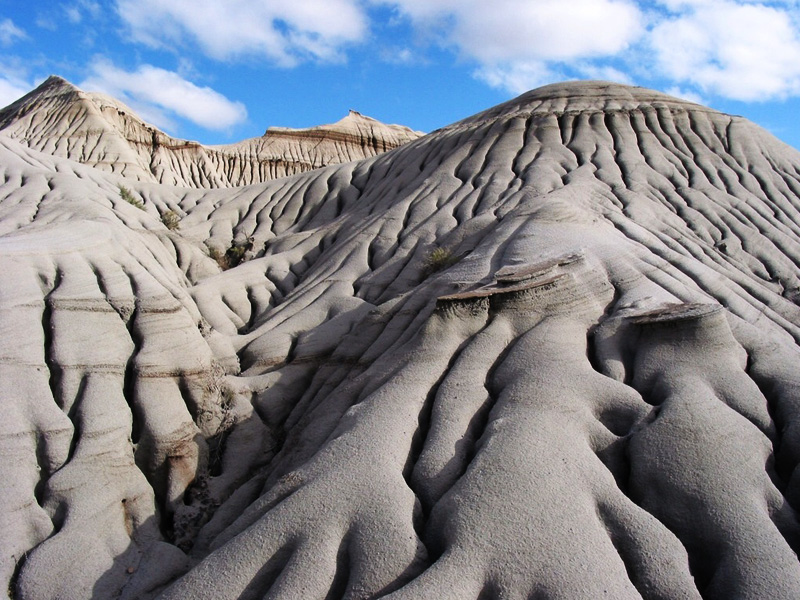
58,118
590,390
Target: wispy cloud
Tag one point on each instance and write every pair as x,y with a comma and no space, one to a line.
521,45
159,95
740,50
12,88
517,76
283,32
546,30
685,95
10,33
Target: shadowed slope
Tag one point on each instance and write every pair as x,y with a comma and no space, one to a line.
593,391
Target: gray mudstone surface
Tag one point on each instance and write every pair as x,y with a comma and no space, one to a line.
549,351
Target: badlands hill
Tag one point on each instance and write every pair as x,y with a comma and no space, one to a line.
58,118
549,351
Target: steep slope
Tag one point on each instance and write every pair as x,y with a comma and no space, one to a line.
59,119
550,351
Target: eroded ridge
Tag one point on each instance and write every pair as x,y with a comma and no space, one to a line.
548,351
58,118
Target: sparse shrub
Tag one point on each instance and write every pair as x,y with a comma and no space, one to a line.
128,196
439,259
235,254
230,258
171,220
218,255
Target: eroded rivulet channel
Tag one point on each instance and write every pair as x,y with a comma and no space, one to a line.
550,351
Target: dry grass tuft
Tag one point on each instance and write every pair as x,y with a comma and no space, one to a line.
171,220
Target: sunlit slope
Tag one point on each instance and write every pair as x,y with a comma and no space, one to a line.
548,351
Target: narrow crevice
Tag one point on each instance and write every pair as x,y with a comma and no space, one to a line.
56,371
267,575
77,429
629,562
702,566
419,520
197,413
129,377
476,428
780,465
253,312
421,435
616,458
490,591
480,421
44,470
289,411
58,518
423,426
216,451
19,564
341,578
371,252
290,355
591,351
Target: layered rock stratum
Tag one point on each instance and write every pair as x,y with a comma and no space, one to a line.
60,119
549,351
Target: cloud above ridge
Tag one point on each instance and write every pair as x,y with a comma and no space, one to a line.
158,95
12,88
738,49
519,45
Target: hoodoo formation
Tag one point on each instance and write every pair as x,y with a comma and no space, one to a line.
549,351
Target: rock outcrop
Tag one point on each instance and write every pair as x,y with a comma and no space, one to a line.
58,118
550,351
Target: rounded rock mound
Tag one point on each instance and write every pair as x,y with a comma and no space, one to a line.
549,351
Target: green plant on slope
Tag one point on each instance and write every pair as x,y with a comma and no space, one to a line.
231,257
218,255
128,196
171,220
439,259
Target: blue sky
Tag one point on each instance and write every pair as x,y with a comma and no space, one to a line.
218,72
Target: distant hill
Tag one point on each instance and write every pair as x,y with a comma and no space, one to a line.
58,118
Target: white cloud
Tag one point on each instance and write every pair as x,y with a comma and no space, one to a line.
740,50
604,72
685,95
517,77
521,45
399,56
73,14
156,94
505,31
12,89
10,33
282,31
